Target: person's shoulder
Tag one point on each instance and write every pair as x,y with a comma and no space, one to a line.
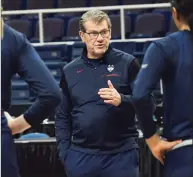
167,45
175,35
73,64
9,31
14,38
168,41
123,56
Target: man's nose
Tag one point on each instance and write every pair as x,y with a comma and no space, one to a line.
100,37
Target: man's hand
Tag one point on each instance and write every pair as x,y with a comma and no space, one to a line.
110,95
16,125
159,147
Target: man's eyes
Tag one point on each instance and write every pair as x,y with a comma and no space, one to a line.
96,33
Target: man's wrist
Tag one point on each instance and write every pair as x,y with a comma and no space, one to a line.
122,99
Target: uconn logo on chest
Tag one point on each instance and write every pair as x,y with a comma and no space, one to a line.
110,68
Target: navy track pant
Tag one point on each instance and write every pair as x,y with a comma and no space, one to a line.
123,164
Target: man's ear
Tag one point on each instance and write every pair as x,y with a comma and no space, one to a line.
81,34
2,28
110,34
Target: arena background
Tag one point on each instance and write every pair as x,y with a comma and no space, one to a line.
52,27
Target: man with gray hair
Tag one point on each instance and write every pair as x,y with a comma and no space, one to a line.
95,127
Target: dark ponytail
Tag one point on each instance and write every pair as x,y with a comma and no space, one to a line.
190,23
184,8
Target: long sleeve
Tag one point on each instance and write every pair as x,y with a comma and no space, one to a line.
132,74
149,75
32,69
63,121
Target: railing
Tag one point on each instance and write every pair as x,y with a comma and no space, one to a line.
122,8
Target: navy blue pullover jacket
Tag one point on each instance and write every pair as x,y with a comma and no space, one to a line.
170,59
18,56
83,121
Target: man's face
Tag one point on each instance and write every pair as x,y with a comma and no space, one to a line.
97,44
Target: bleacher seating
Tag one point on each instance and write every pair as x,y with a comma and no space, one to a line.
137,1
76,50
13,5
104,3
46,4
53,30
40,4
138,23
166,12
20,91
21,25
116,23
127,47
65,27
55,53
55,68
57,56
72,3
149,25
72,29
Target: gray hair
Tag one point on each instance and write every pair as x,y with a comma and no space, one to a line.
96,16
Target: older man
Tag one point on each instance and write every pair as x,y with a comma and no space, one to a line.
95,125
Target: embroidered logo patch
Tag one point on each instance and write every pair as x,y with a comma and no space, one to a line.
110,68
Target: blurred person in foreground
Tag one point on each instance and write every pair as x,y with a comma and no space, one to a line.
170,59
18,56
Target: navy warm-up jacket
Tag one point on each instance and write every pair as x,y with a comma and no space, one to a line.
83,121
18,56
171,59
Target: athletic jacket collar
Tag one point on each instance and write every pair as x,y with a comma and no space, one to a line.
108,57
